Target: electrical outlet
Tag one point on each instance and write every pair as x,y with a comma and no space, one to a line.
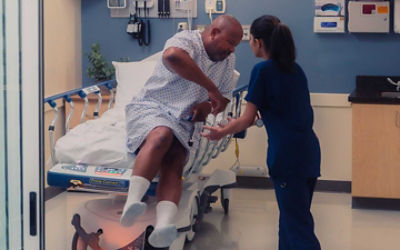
246,32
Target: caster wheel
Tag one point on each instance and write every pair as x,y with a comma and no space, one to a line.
225,194
225,205
194,223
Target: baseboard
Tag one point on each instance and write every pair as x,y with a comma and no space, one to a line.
51,192
266,183
375,203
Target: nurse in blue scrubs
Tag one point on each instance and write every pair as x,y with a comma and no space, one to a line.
278,91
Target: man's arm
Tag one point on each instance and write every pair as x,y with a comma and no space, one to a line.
177,60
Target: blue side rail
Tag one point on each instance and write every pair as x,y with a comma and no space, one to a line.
82,93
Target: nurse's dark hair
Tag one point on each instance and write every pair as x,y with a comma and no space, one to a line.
277,39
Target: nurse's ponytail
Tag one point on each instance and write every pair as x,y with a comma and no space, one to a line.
277,39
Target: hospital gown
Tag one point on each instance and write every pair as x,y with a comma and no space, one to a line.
167,99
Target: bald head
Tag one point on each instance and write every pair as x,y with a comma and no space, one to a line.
227,23
221,37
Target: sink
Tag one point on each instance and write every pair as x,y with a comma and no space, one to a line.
394,94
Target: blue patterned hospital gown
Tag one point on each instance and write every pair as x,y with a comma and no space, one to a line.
167,98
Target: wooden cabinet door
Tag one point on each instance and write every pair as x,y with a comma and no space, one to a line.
376,151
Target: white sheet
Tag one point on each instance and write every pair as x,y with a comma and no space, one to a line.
97,142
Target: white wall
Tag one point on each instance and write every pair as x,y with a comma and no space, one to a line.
332,124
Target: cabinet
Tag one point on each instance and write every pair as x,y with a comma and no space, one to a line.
376,151
79,104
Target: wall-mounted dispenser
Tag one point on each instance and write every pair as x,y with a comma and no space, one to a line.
371,16
329,24
329,16
329,7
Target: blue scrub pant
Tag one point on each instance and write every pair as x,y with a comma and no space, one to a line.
296,224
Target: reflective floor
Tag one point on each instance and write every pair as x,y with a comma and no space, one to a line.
253,221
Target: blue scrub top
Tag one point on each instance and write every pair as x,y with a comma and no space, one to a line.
283,100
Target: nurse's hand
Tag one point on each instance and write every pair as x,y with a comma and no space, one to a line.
218,101
213,133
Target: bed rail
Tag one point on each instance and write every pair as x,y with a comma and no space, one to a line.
82,93
205,150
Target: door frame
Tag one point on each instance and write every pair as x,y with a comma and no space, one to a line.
31,16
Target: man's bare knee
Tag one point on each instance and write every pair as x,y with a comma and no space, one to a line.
175,156
160,137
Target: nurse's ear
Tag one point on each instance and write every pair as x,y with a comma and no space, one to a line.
259,43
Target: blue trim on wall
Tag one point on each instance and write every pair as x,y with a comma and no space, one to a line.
330,61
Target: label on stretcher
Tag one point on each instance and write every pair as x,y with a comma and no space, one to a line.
106,182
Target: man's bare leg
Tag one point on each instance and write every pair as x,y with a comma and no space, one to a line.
169,191
147,164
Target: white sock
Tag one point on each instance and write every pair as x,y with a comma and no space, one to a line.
165,231
134,207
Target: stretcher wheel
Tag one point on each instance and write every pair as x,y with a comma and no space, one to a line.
194,222
225,199
225,205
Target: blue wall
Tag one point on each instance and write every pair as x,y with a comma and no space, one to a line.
331,61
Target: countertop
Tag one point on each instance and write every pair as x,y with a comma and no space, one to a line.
369,88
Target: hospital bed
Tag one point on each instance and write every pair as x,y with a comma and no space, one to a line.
92,157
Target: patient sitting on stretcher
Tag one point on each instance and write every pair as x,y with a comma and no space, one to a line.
195,68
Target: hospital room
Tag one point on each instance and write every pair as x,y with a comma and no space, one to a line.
200,125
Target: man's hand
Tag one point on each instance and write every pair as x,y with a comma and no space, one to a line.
200,111
218,101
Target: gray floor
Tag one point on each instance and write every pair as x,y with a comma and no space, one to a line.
253,220
252,223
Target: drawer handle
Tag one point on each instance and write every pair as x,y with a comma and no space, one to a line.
397,119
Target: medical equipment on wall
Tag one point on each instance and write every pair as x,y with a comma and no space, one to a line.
157,9
139,29
397,16
116,4
326,24
214,7
371,16
329,16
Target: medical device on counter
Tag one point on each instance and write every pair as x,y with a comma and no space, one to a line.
371,16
